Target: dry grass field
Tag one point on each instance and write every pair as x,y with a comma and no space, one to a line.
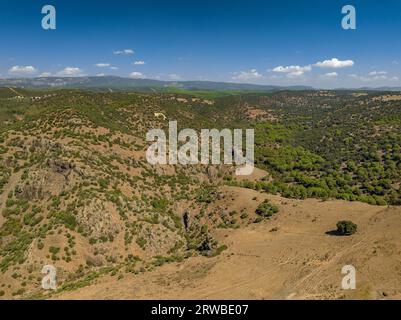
291,256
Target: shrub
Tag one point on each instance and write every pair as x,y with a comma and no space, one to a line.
103,183
31,220
66,219
346,228
257,220
141,242
54,250
266,209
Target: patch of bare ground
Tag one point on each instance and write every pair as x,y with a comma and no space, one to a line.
393,97
257,174
290,256
256,113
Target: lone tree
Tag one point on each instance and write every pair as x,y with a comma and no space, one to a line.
346,227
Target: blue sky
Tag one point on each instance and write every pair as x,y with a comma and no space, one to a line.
267,42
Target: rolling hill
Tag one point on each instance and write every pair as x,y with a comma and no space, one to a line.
77,192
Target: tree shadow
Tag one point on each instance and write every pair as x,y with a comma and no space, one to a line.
335,233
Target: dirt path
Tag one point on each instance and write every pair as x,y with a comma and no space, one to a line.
16,92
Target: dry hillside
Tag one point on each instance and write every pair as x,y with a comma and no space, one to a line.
76,192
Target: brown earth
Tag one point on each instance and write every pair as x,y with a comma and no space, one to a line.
386,98
291,256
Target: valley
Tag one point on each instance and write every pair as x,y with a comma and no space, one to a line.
77,192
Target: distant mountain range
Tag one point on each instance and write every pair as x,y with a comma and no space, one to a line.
119,83
113,83
375,89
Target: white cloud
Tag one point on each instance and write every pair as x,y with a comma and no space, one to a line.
45,74
137,75
274,77
125,52
334,63
139,62
293,71
250,75
100,75
331,75
102,65
174,76
395,79
113,68
22,70
377,73
379,78
70,72
371,77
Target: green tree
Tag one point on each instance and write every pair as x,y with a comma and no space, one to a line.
346,227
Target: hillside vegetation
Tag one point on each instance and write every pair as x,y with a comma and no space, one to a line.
77,192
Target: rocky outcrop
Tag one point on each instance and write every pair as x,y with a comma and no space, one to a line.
99,219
